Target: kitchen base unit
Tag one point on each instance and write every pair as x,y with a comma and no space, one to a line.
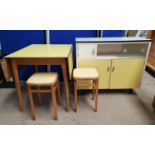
120,62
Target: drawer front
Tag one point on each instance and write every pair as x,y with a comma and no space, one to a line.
86,51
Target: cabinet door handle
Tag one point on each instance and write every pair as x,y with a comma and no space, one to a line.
108,69
93,52
113,68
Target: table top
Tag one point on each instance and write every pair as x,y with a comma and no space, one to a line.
42,51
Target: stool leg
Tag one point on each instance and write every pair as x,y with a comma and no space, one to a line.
54,102
58,91
39,96
75,95
93,90
96,98
31,102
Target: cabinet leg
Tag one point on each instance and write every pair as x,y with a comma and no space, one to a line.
93,90
130,91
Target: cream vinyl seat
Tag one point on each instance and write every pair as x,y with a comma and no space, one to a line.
44,79
86,74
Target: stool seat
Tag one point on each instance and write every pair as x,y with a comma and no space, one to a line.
42,78
85,74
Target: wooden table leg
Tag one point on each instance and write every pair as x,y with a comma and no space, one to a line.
93,89
39,94
64,70
18,86
75,95
36,68
96,98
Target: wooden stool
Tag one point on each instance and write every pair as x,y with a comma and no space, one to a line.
44,79
86,74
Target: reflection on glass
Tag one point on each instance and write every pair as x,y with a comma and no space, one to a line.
122,49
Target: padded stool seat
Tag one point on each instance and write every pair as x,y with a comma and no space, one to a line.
85,73
42,79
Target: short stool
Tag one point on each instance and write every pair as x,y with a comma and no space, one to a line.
39,80
86,74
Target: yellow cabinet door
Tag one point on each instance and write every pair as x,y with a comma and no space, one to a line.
126,73
103,68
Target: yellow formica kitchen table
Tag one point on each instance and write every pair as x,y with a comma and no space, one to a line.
40,54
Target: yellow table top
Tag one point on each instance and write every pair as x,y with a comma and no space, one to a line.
42,51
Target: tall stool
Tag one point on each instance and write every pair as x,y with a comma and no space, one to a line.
86,74
44,79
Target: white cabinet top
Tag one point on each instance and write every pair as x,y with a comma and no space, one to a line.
113,39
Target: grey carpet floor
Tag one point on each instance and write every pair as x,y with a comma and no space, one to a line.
115,107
